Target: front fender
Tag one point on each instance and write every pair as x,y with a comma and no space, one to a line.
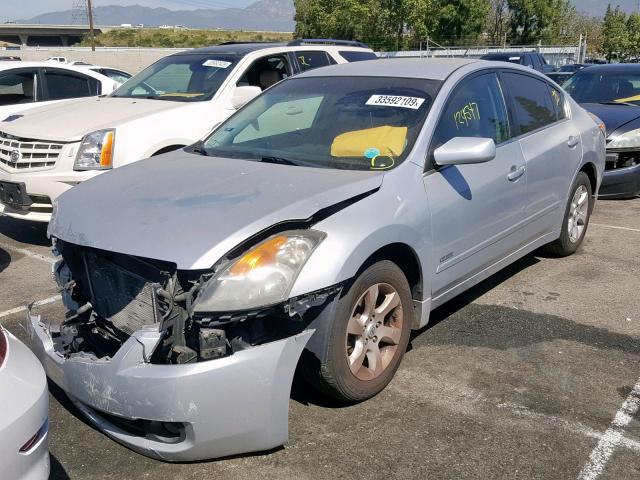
360,230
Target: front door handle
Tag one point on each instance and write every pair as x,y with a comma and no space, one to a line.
573,141
516,173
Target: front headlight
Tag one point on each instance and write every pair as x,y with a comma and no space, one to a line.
630,139
261,277
96,151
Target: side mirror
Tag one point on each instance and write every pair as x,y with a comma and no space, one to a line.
465,150
243,95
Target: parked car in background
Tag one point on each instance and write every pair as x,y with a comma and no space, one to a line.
57,59
24,412
533,60
565,72
171,104
612,93
27,85
334,211
10,58
118,76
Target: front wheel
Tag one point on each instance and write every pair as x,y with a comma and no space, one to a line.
576,218
365,341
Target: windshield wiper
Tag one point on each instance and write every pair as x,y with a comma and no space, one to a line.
278,160
198,148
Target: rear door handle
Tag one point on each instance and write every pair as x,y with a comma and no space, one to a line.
573,141
516,173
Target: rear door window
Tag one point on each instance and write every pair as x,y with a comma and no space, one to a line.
533,108
312,59
355,56
537,64
18,87
558,102
61,84
476,109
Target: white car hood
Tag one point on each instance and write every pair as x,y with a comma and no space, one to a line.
71,120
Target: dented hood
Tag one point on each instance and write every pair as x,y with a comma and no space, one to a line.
191,210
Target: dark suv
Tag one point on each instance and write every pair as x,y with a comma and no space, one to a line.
533,60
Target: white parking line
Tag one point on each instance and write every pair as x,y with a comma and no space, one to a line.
613,437
573,427
55,298
28,253
616,227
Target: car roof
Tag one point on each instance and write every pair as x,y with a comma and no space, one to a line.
5,64
613,67
11,65
425,68
242,49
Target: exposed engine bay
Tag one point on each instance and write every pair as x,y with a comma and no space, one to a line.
111,296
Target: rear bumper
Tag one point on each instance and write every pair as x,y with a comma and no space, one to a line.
222,407
24,409
620,183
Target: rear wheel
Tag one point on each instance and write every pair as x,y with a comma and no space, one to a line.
365,341
576,218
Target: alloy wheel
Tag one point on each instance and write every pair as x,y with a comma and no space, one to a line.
578,213
373,331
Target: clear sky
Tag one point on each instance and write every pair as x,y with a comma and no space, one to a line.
22,9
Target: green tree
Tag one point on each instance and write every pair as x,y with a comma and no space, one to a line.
458,20
531,20
633,29
614,31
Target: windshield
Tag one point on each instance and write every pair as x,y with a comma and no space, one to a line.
179,78
363,123
605,87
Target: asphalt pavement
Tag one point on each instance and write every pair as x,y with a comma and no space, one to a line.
533,374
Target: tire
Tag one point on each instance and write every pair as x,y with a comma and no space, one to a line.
382,285
576,218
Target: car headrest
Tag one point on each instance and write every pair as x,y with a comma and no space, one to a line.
269,77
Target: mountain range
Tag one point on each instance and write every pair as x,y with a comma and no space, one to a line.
272,15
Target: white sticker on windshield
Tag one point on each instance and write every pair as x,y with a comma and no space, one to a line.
511,59
216,63
413,103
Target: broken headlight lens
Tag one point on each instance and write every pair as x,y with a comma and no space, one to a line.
96,151
262,276
626,140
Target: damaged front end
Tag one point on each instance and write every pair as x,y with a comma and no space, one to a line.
152,356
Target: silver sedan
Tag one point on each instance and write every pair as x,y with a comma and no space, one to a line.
24,412
316,227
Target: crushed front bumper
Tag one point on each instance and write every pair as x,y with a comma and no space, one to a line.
222,407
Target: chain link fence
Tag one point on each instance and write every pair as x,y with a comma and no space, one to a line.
556,55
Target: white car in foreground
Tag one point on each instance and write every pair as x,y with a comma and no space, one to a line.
26,85
24,412
171,104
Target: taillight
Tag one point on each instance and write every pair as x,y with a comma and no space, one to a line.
3,346
33,441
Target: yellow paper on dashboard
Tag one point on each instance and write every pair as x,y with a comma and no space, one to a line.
390,141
